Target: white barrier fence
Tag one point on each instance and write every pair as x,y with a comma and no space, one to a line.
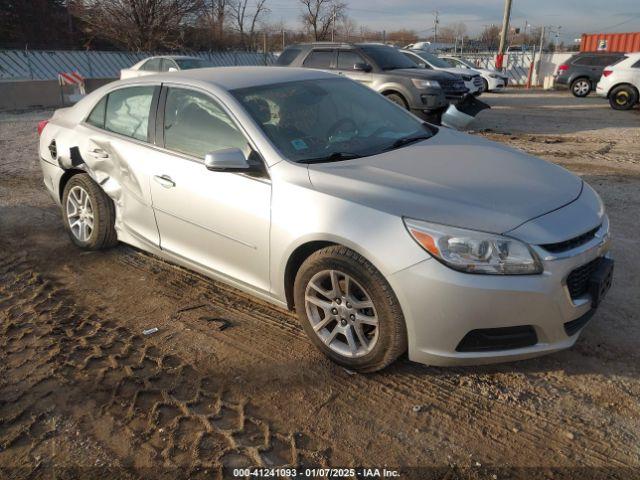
45,65
517,66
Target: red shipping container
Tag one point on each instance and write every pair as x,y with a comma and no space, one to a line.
610,42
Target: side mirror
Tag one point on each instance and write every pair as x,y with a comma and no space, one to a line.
173,69
227,160
362,67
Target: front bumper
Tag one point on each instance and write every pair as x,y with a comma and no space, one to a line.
442,306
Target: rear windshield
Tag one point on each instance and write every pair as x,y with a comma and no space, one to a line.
288,56
388,58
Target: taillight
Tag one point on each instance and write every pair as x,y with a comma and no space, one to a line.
563,68
606,73
41,126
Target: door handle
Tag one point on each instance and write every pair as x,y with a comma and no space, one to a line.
164,180
98,153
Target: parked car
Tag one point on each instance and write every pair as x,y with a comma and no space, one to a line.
308,190
172,63
424,59
383,69
582,71
620,83
493,80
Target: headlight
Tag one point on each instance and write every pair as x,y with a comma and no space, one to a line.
474,252
493,75
420,83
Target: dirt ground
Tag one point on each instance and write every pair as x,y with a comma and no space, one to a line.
229,381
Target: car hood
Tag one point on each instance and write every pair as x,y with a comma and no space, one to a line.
423,73
454,179
459,71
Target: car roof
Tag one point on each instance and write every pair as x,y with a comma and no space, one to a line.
339,45
230,78
177,57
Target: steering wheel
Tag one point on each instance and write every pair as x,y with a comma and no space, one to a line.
336,127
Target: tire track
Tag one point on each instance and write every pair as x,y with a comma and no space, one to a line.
139,396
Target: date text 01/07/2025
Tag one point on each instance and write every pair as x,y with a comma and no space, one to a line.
315,473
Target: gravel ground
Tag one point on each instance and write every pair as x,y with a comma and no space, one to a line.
229,381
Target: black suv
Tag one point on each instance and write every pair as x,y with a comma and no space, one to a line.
582,72
385,70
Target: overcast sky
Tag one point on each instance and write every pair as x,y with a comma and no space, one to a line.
574,16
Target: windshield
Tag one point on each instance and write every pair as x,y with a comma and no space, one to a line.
432,60
388,58
329,119
189,63
466,62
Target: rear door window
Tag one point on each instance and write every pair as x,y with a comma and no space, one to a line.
585,61
128,111
288,56
348,58
152,65
319,59
96,117
167,64
194,124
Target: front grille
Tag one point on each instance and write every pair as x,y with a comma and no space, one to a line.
574,326
578,280
494,339
452,84
571,243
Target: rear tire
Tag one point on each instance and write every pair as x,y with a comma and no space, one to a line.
398,99
357,322
88,214
581,87
624,97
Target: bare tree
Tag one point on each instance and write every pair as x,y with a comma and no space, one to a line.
402,37
490,36
347,28
216,15
246,18
140,24
318,16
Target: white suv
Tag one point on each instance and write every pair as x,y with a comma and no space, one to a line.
620,82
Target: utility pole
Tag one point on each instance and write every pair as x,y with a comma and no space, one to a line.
541,52
333,24
504,34
435,26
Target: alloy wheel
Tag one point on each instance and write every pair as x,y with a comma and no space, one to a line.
581,88
80,213
341,313
622,98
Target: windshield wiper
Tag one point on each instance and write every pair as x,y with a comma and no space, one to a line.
334,157
401,142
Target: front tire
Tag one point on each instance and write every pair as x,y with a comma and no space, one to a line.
398,99
88,214
348,310
486,85
581,87
624,97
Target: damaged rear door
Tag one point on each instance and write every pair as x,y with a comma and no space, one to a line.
115,148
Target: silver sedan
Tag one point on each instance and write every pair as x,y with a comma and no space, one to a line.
385,234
